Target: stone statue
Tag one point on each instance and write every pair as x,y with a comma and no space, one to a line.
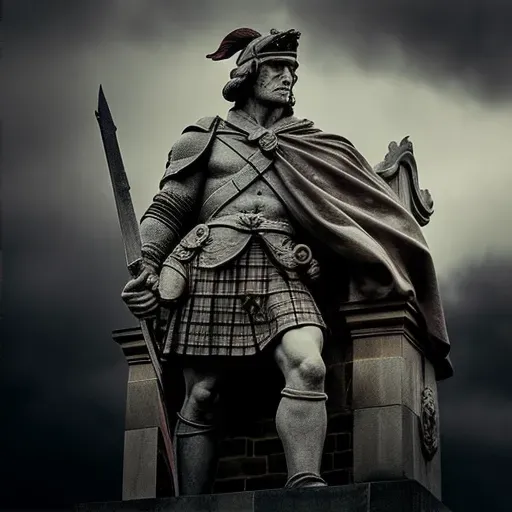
262,222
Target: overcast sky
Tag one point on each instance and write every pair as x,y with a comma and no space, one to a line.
370,70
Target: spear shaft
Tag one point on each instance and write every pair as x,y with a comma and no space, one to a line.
133,251
126,214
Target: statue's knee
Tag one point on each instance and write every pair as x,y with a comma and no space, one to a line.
311,371
202,396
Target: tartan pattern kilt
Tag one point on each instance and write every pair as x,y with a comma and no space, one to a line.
239,308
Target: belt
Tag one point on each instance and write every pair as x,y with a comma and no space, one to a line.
251,222
215,250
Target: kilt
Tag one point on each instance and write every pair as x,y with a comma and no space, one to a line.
238,308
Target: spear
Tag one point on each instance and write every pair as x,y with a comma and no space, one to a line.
132,242
125,212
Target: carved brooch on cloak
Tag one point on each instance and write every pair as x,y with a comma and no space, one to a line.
267,140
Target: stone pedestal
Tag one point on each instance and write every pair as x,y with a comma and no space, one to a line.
394,396
251,454
382,409
399,496
148,454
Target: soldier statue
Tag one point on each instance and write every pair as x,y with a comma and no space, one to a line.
253,214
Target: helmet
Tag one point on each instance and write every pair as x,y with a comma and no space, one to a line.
253,46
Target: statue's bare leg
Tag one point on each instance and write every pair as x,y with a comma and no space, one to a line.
195,436
301,416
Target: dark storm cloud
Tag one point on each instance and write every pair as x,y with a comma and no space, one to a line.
466,40
479,312
63,378
92,20
476,404
474,477
136,20
33,17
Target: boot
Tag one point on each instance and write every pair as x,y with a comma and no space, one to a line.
196,456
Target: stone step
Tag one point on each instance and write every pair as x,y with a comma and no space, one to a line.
393,496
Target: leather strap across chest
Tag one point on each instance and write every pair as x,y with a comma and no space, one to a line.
256,166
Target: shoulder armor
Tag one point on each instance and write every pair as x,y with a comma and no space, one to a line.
204,124
195,140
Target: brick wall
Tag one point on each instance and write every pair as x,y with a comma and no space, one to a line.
251,454
256,461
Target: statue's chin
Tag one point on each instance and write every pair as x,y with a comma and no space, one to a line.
275,103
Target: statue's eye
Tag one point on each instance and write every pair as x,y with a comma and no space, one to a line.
278,66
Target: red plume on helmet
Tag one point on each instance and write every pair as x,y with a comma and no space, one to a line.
234,42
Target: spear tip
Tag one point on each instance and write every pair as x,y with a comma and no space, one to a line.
103,108
101,96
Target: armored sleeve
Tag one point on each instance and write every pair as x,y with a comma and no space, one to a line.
173,207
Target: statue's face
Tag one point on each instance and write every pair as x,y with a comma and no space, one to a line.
274,83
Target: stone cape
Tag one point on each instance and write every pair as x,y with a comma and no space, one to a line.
346,209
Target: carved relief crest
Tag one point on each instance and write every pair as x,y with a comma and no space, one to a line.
429,431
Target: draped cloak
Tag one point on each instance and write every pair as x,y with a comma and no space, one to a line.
333,194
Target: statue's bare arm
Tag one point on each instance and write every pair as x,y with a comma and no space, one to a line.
162,226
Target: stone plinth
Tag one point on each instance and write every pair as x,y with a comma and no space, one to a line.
397,496
148,454
378,368
394,396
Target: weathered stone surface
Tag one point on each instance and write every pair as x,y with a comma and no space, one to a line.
338,477
392,496
378,347
404,496
378,444
377,382
142,404
274,481
148,456
336,386
140,463
412,376
390,372
268,446
231,468
235,447
330,499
